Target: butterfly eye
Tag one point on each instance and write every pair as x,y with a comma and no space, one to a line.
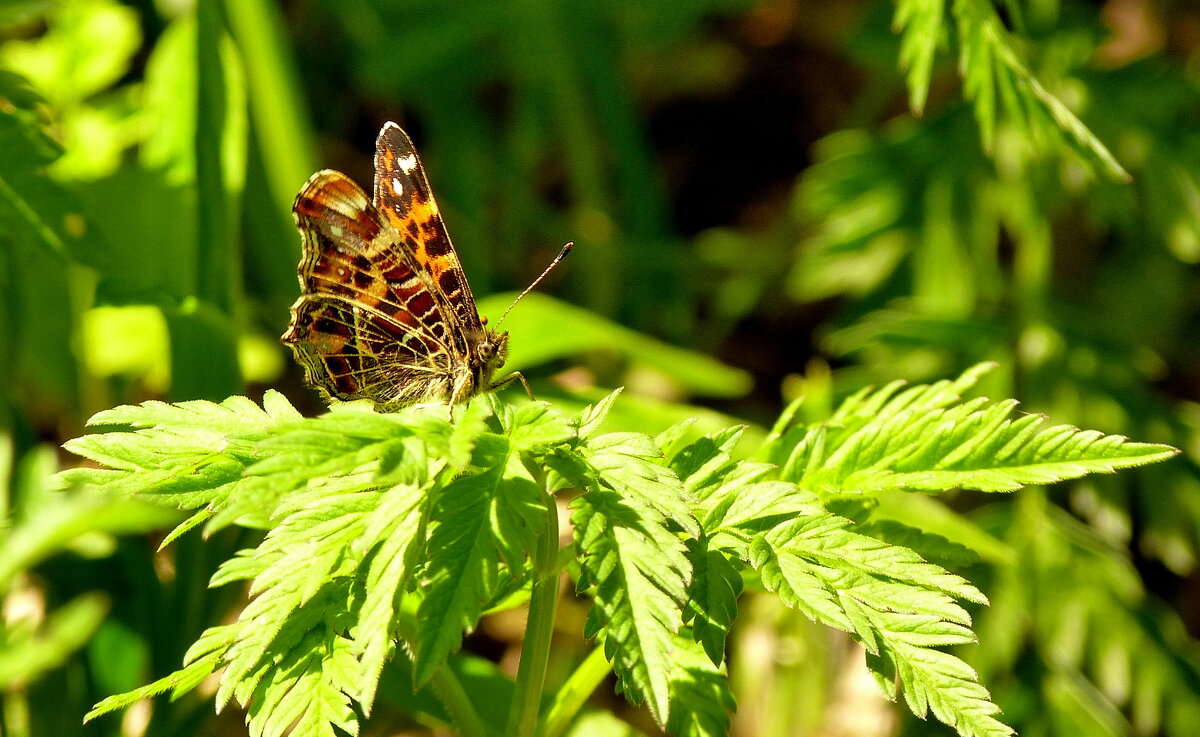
486,349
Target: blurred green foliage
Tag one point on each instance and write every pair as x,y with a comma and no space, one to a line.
744,179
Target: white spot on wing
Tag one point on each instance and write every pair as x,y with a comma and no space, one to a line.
408,163
397,186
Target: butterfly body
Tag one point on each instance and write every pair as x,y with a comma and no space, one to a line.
385,311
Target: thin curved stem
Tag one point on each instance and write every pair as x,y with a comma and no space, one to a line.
539,629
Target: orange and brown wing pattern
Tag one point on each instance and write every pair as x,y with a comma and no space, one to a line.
368,323
403,195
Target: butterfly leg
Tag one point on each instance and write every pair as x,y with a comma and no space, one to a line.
514,376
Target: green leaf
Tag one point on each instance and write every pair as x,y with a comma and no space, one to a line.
593,415
633,465
797,585
701,699
939,681
637,571
538,427
481,519
971,446
671,439
991,66
703,464
545,329
824,540
305,691
179,682
393,534
920,22
712,598
893,602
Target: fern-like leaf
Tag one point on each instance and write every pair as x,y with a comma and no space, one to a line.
392,534
701,700
996,79
975,445
637,572
893,602
712,597
482,519
304,690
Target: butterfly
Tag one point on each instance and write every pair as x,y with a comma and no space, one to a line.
385,311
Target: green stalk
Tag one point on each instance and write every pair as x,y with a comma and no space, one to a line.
214,249
535,650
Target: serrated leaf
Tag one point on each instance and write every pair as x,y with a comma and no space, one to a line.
539,427
306,558
992,68
896,604
304,691
701,699
637,571
937,681
393,534
482,518
797,586
702,464
593,415
184,527
971,446
633,465
233,416
712,598
825,540
671,439
752,506
179,682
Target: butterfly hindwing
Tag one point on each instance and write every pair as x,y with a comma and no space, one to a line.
366,317
344,351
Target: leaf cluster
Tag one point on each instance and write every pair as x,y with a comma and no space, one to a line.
390,535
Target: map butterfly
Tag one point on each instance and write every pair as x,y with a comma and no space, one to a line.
386,313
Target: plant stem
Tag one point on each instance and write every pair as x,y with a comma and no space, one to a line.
539,628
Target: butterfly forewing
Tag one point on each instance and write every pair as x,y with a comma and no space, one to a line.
402,192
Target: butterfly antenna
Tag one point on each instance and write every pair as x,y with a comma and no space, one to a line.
561,255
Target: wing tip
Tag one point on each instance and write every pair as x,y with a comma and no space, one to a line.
393,132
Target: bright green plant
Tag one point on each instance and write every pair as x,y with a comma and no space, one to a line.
389,535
